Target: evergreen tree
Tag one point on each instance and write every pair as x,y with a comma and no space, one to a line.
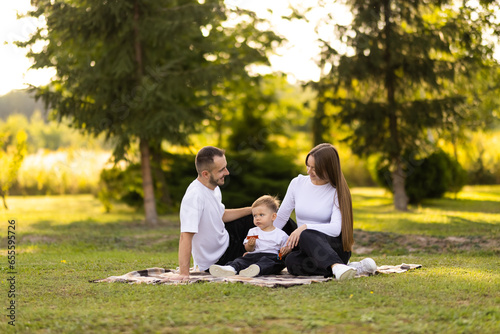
140,69
402,60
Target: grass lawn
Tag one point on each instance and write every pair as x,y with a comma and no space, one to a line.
63,242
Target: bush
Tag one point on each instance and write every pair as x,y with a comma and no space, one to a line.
430,177
252,174
479,174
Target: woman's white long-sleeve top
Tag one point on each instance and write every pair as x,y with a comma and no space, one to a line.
316,206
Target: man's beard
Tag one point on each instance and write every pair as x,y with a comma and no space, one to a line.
215,182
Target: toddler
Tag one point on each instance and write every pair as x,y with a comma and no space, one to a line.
265,244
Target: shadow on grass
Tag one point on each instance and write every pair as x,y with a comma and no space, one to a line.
88,234
404,244
418,224
463,205
383,203
85,236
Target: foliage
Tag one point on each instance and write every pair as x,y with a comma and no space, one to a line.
355,169
57,159
141,70
253,174
42,135
262,114
430,177
61,250
68,171
398,77
265,114
479,154
12,152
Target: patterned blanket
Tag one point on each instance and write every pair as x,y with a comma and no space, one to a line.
163,276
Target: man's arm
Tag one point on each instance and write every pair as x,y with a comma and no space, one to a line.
233,214
185,244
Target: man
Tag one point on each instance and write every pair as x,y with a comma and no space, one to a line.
203,217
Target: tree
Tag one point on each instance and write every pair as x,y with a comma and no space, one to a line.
266,113
12,152
399,70
140,70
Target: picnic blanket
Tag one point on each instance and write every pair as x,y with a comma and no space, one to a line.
162,276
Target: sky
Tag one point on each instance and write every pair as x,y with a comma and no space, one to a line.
13,63
295,57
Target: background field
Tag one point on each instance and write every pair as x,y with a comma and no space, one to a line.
65,241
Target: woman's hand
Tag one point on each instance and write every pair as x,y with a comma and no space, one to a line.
293,239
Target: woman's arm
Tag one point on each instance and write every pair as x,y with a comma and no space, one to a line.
286,207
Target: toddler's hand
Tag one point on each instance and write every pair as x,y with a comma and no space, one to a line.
251,242
285,250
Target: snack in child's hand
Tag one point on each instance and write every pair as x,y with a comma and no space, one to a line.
280,255
253,237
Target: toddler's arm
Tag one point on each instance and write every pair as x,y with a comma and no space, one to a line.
250,245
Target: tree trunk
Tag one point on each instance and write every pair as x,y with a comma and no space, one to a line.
147,179
319,128
160,176
398,184
398,176
2,194
147,184
218,127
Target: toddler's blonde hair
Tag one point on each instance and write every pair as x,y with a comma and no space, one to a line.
272,202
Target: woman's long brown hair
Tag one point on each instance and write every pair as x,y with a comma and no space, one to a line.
327,166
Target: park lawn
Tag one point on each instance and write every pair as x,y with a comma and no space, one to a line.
63,242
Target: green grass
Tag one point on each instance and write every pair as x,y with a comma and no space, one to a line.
63,242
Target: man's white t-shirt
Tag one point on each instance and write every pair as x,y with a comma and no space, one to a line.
268,242
201,213
316,206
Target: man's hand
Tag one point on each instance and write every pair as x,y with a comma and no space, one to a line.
179,278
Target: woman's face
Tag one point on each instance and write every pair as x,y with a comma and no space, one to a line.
311,170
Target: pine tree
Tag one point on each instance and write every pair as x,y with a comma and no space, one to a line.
139,70
402,61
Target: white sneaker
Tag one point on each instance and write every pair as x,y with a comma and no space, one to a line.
252,271
364,267
221,271
343,272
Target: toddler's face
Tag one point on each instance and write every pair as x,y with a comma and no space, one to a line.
263,217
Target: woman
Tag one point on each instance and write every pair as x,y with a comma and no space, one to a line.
323,207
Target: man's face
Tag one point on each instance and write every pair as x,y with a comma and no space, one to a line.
219,171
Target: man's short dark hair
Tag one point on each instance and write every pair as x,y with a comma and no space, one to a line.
205,158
